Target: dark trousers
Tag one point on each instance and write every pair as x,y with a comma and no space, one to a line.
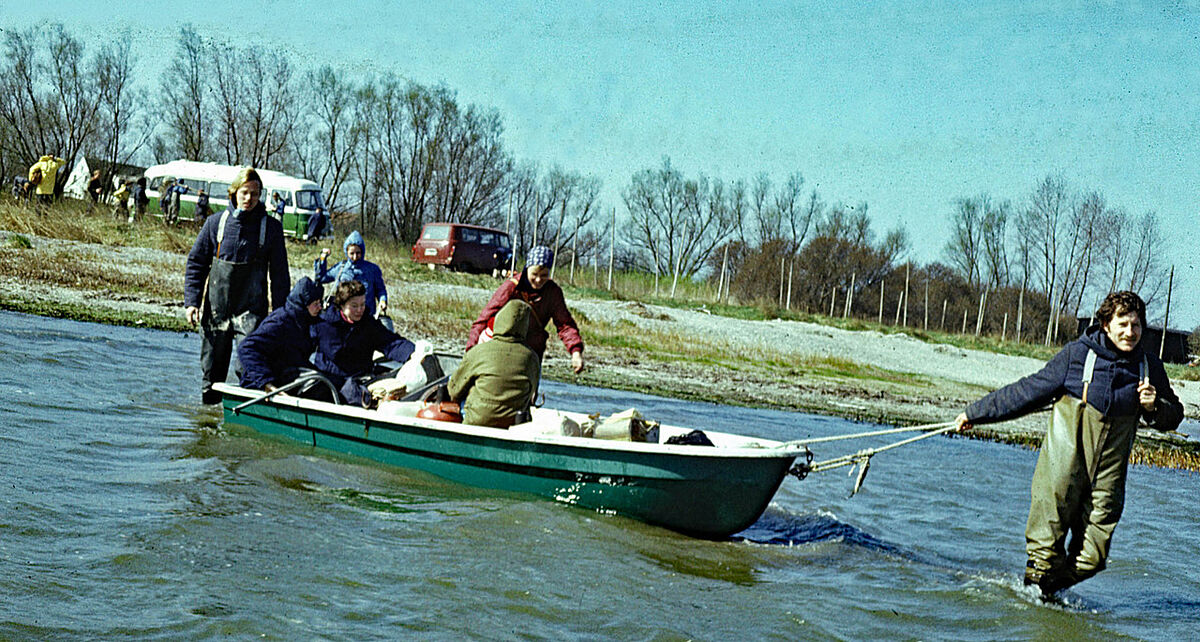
216,350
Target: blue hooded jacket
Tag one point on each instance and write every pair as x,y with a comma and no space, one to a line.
344,349
282,344
1112,391
362,271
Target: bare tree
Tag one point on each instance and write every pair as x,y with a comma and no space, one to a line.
1042,224
120,107
184,105
675,222
994,234
326,153
965,250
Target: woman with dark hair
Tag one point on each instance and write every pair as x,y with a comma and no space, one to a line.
1101,385
236,273
346,338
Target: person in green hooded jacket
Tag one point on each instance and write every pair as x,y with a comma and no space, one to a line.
497,380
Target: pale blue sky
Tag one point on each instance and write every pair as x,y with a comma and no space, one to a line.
905,105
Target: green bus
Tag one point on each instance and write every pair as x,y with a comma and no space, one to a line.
302,196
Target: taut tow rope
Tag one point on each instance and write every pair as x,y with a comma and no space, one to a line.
861,458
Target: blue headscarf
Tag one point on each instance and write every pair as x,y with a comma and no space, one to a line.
539,255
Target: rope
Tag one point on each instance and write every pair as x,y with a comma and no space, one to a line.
859,435
862,457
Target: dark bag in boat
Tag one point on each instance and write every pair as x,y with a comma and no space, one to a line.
694,438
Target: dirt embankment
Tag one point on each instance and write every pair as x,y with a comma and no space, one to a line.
887,378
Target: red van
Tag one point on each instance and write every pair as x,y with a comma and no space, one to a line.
469,248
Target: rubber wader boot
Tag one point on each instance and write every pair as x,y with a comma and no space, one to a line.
1078,490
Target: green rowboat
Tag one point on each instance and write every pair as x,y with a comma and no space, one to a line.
709,492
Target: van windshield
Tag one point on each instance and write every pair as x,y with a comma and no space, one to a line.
436,232
309,200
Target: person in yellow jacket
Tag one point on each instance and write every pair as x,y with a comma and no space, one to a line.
44,174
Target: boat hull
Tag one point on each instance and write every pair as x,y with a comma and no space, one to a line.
703,492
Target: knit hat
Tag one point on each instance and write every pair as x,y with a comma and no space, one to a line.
539,255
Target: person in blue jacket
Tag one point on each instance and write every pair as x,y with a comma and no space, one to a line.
355,268
236,273
275,353
346,339
1101,385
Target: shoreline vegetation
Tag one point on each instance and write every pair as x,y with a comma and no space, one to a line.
69,263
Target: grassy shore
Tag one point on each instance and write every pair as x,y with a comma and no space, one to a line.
141,265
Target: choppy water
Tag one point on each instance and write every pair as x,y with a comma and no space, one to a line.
127,510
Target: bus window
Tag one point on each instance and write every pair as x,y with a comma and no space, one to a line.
309,200
155,183
218,190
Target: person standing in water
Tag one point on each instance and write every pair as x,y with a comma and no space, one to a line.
1101,385
236,273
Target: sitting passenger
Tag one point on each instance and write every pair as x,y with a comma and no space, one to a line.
273,355
497,380
347,338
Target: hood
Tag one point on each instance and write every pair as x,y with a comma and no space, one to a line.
354,238
47,157
1097,339
305,292
512,321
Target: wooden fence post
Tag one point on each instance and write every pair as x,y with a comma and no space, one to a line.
964,325
722,283
881,282
926,326
979,315
791,275
1167,317
850,296
942,325
907,267
612,248
832,300
1020,311
1004,328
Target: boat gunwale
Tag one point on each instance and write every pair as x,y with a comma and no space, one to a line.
768,449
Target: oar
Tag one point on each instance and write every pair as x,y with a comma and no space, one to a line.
263,397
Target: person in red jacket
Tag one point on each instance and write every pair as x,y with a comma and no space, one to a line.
534,286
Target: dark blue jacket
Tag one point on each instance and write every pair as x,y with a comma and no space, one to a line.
282,344
345,349
1112,391
240,245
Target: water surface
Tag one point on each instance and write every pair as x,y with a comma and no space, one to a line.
128,510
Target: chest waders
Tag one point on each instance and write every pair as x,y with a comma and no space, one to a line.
235,302
1078,489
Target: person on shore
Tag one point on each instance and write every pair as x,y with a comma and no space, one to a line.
21,188
237,271
1101,385
44,174
498,380
121,201
94,189
140,200
534,286
280,347
279,205
346,339
201,207
355,267
316,225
